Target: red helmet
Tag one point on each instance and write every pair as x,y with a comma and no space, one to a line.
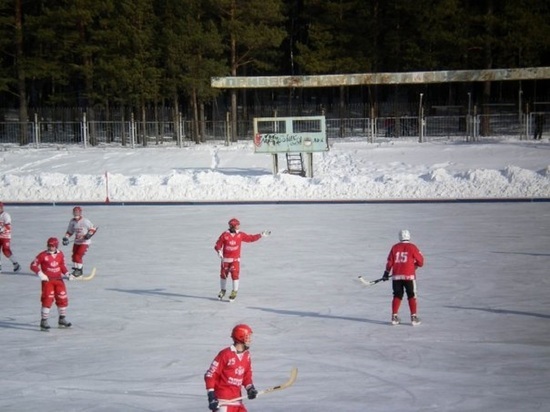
234,222
53,241
77,211
242,334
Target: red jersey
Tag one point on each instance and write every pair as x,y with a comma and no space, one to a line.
228,372
230,244
403,259
51,264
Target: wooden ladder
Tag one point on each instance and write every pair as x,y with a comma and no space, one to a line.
295,164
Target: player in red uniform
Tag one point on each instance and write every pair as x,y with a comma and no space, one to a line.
5,238
403,259
228,247
50,267
229,371
83,231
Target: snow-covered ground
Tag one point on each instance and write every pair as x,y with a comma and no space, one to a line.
350,170
148,325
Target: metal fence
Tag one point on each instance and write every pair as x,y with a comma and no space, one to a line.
135,133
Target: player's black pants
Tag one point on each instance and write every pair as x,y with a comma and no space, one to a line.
401,286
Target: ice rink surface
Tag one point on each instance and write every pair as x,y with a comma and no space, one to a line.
149,324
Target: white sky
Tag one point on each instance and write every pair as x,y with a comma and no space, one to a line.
147,327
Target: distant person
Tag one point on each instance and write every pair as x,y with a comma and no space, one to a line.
230,370
83,230
228,247
5,238
539,126
403,259
50,268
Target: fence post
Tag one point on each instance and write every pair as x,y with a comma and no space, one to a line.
372,126
36,131
476,125
420,120
528,119
84,129
469,119
132,131
177,129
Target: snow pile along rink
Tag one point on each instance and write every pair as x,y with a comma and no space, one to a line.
351,170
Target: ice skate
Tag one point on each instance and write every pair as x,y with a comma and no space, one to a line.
415,320
232,296
44,325
63,323
0,268
77,272
16,267
221,294
395,319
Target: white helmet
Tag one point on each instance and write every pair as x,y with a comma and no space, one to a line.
404,235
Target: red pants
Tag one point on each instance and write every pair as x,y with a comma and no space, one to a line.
78,252
230,268
54,290
5,246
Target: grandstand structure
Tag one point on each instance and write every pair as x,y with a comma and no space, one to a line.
398,105
424,77
473,122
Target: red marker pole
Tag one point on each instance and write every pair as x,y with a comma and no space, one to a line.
107,187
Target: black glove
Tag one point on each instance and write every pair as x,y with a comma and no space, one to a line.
251,392
212,401
386,275
88,235
65,241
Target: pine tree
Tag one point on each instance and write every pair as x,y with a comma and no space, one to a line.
192,51
253,31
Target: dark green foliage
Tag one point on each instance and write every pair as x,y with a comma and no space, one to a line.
141,52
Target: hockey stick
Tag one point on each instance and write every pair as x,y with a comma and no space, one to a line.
288,383
87,277
369,283
83,277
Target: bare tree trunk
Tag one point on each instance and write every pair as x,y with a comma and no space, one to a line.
341,111
233,45
202,122
158,137
194,105
233,115
488,62
109,138
92,130
143,124
21,75
123,137
87,63
176,118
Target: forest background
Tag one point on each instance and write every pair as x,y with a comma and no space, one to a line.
119,56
